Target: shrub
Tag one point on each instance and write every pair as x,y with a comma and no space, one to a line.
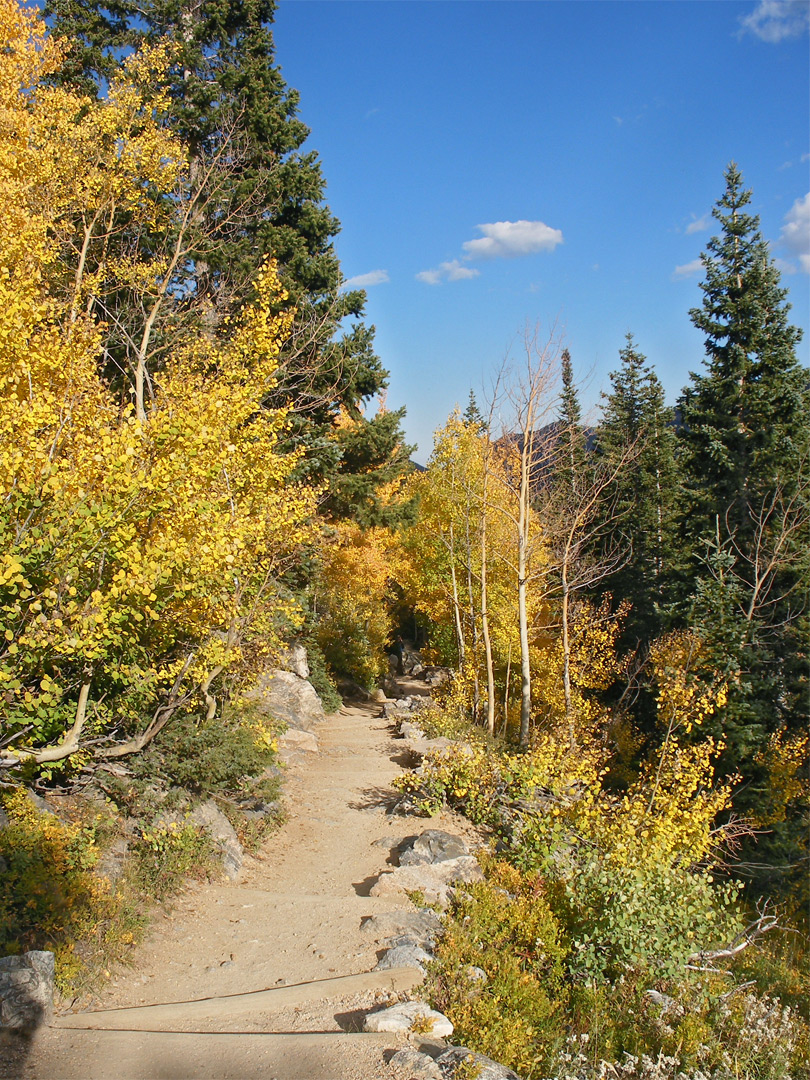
51,899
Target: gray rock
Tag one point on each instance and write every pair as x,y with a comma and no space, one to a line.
404,955
488,1069
432,846
418,1066
294,659
405,1016
286,697
26,991
421,927
476,974
210,818
433,880
409,730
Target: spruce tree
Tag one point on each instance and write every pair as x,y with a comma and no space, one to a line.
636,420
743,522
571,454
264,196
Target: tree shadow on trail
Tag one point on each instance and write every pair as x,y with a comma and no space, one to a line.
377,798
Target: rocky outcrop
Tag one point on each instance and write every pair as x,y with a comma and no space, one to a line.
216,825
26,991
287,697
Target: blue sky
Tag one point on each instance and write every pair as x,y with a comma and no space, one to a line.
501,164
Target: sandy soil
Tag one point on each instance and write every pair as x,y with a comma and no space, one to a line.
293,918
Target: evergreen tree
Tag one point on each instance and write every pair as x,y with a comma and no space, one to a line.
743,521
571,452
636,421
261,194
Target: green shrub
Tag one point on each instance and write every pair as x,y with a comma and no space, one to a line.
169,853
51,899
505,929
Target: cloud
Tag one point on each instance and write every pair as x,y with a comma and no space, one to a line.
687,270
795,235
500,240
509,239
363,281
447,271
698,225
777,20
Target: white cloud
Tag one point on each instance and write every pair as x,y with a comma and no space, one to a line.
363,281
688,269
698,225
508,239
447,271
796,232
777,20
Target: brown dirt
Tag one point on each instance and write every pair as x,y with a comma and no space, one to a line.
293,918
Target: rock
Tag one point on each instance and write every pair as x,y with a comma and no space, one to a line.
294,659
405,955
441,747
432,880
293,739
409,730
378,695
488,1069
476,974
26,991
417,1066
406,1016
3,818
286,697
421,927
432,846
210,818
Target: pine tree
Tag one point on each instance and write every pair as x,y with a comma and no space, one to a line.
743,522
744,431
636,420
263,194
571,454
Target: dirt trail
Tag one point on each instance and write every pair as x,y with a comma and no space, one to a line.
293,919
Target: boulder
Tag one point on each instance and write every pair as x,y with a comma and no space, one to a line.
210,818
432,846
432,880
406,1016
293,739
408,954
294,659
286,697
26,991
415,1065
487,1069
421,927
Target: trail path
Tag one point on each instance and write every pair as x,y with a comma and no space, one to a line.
273,949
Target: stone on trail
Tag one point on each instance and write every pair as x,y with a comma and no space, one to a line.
432,880
405,955
417,1066
488,1069
421,927
406,1016
293,739
432,846
26,991
286,697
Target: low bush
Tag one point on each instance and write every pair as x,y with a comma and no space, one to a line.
51,898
